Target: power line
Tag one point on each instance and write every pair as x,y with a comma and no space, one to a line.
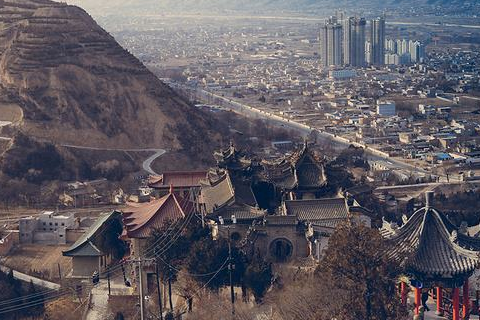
158,242
172,227
174,238
208,282
63,292
13,300
166,236
187,273
39,301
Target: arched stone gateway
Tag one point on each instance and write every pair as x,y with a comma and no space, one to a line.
281,249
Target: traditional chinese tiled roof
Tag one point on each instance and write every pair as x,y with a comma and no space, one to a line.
243,213
327,223
310,173
243,191
184,179
141,220
429,250
281,174
302,170
85,245
231,158
224,190
218,193
281,220
327,212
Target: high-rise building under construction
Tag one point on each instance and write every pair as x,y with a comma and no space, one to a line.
354,41
377,40
331,42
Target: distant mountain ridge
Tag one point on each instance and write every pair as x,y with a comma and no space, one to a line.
253,5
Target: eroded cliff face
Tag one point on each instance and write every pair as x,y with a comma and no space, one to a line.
76,85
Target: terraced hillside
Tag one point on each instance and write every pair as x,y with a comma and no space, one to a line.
77,86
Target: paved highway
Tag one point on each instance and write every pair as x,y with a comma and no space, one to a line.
4,124
339,142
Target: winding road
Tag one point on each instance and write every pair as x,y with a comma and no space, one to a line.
146,165
4,124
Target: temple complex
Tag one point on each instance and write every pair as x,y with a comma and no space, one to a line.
282,208
300,176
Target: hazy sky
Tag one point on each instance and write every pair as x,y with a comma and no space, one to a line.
160,6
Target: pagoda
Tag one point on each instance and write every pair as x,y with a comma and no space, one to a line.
299,176
434,254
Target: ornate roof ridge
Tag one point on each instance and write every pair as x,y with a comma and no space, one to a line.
429,247
453,242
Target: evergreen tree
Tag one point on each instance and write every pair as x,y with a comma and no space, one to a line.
258,277
109,240
357,279
208,255
37,303
10,288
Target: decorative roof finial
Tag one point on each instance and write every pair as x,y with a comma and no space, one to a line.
171,188
429,199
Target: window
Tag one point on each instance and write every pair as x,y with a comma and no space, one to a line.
63,224
50,223
235,236
281,249
61,235
56,223
44,223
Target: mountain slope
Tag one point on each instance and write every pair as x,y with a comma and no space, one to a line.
77,86
71,77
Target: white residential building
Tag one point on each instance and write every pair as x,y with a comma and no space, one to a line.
47,228
386,108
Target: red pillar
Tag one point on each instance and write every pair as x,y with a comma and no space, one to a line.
418,300
466,301
403,293
439,302
456,304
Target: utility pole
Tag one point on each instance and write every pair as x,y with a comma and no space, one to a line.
140,291
108,279
230,266
160,307
230,271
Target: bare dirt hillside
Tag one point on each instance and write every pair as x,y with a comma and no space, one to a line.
75,85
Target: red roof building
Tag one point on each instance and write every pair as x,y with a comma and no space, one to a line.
141,219
180,179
